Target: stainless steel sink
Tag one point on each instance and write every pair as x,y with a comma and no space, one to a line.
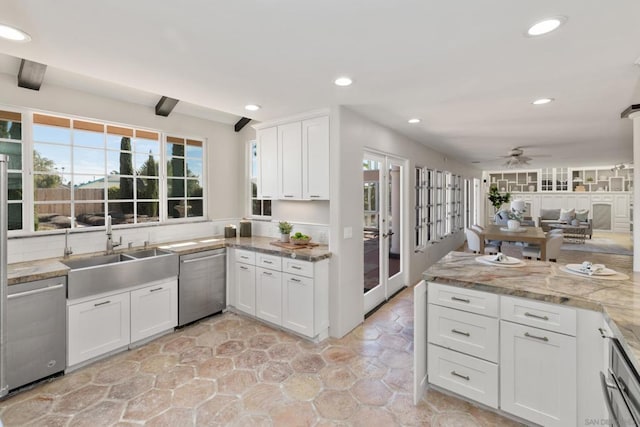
107,273
146,253
94,261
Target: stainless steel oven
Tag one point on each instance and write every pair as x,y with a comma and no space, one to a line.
621,388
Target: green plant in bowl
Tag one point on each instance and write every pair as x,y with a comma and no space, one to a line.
300,239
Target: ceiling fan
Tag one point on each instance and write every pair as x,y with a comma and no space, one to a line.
516,158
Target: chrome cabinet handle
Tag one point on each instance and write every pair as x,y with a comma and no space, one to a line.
314,196
293,279
242,267
288,195
295,267
267,262
101,303
460,300
244,257
528,335
464,377
466,334
156,289
266,273
535,316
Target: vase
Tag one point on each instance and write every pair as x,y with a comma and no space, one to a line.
513,224
284,238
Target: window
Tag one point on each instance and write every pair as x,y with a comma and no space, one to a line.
185,159
258,207
11,145
420,208
86,170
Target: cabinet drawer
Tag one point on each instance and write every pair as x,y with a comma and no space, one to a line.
302,268
541,315
247,257
271,262
468,376
466,332
463,299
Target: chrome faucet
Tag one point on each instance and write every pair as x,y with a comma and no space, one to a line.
110,244
67,249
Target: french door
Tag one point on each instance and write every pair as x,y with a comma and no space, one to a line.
383,227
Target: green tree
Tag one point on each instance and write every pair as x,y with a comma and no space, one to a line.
10,130
43,164
148,188
126,168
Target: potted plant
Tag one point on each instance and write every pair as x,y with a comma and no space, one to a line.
497,199
285,231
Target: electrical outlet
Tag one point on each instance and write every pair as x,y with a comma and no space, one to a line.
322,237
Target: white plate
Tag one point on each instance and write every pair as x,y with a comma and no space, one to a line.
578,269
517,230
506,260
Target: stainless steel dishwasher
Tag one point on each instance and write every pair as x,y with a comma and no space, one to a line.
201,285
36,330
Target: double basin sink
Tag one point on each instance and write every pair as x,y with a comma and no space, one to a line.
106,273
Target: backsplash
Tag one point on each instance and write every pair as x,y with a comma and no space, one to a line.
83,241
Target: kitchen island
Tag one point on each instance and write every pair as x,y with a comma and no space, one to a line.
574,304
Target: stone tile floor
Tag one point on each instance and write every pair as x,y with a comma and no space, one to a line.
229,370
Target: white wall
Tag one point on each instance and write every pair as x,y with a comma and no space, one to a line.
225,176
351,134
225,151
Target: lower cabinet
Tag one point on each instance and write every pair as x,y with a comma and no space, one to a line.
269,295
101,325
538,374
97,327
535,360
297,304
283,291
245,289
154,309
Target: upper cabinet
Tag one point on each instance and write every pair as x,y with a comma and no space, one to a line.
293,159
268,163
315,158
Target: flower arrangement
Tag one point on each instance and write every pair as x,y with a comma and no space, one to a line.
497,199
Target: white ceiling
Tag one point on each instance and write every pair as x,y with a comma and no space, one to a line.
463,66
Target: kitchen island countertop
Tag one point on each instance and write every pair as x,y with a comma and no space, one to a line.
619,301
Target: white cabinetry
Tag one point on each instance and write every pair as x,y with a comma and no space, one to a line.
245,281
538,375
462,347
293,159
285,292
267,163
154,309
269,295
315,158
97,327
290,161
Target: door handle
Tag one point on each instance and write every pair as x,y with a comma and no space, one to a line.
35,291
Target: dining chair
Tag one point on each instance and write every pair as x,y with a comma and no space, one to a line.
553,245
473,243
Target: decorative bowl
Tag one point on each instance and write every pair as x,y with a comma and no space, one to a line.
300,241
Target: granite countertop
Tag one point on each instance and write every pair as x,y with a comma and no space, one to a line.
544,281
46,268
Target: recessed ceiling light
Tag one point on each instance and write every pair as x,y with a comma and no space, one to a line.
542,101
343,81
546,26
414,121
11,33
252,107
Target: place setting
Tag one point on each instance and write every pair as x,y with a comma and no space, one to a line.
501,260
595,271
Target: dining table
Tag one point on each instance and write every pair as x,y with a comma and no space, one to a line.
533,235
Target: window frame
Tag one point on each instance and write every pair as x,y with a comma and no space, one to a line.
28,185
250,177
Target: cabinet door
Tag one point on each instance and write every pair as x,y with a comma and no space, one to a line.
538,375
268,163
298,304
269,295
245,288
315,159
97,327
154,309
290,160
